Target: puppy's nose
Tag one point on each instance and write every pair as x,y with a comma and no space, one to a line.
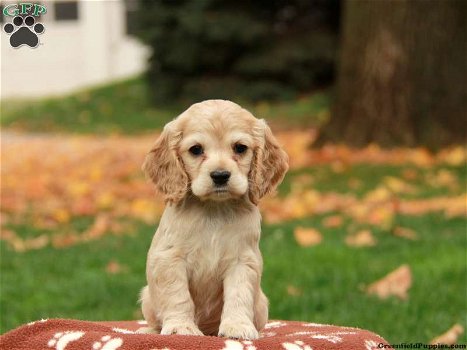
220,177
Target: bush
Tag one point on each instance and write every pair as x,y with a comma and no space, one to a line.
244,49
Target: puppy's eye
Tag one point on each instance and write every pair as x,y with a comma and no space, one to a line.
196,150
239,148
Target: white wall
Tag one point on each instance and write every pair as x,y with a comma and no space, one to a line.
72,54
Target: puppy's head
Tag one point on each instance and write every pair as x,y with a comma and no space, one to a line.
216,150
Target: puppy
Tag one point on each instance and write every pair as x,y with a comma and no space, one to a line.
212,163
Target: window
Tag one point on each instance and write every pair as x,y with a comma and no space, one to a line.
66,10
131,16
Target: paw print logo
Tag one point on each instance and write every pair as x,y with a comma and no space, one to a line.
62,339
107,343
24,31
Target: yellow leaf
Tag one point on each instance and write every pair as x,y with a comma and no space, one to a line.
454,156
444,178
61,215
105,200
397,185
144,209
396,283
307,236
362,238
294,291
379,194
450,336
78,189
95,173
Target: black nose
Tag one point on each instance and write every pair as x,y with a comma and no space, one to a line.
220,177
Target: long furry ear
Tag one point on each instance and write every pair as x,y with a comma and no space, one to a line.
269,166
163,166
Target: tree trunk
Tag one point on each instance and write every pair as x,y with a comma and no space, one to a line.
402,74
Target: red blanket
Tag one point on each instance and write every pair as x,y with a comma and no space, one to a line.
60,334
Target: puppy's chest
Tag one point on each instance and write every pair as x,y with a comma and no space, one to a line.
211,253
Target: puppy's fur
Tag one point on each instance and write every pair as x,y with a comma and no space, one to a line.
204,265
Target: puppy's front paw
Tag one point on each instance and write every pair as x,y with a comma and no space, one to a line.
147,330
181,329
238,330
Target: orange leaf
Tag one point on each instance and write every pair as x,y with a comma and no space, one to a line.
362,238
396,283
333,221
65,240
307,236
450,336
405,233
100,226
114,267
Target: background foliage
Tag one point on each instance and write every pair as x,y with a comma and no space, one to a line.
250,49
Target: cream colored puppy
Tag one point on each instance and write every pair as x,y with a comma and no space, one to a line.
213,163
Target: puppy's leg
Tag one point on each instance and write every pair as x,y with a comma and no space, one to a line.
149,314
240,288
169,292
261,310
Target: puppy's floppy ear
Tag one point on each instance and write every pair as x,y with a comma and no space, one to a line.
269,166
163,166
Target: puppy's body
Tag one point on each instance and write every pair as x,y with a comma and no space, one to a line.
205,236
204,265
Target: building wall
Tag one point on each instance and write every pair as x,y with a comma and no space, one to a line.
73,54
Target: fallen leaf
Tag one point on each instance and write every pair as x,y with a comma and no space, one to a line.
307,236
64,240
114,267
453,156
333,221
396,283
443,178
397,185
7,234
38,242
354,184
362,238
99,227
450,336
294,291
379,194
61,215
382,215
405,233
409,174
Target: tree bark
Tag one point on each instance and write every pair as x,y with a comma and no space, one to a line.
402,74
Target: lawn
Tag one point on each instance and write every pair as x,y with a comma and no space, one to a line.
124,108
75,235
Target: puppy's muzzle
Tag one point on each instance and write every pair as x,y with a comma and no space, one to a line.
220,177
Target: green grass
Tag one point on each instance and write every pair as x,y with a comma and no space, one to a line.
123,107
73,282
369,176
